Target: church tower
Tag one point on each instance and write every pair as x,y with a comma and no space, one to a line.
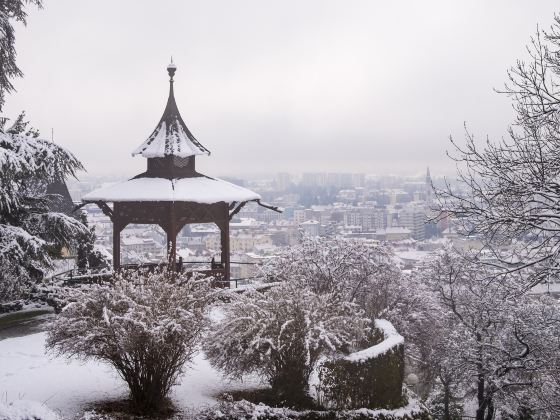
428,189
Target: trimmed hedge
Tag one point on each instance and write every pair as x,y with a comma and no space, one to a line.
372,378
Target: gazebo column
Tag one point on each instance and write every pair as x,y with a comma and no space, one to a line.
118,226
171,232
224,242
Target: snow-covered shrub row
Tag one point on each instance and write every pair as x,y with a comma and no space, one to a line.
391,340
229,409
26,410
94,415
371,378
55,293
12,306
58,293
147,327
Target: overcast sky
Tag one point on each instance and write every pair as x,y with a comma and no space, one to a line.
292,86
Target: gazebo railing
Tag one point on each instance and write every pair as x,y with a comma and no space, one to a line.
84,276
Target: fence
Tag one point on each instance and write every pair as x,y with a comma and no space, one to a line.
78,276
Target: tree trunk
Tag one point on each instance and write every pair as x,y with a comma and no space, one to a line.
480,382
490,412
446,400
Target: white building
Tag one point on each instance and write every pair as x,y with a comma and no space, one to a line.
414,218
311,227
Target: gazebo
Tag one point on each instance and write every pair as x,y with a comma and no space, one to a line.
171,193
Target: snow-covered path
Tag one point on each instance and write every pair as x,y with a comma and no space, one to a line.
26,372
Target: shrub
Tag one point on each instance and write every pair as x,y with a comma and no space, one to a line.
147,327
281,333
359,271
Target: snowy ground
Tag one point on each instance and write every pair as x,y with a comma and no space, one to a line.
26,372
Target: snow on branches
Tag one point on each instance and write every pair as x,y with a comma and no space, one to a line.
21,255
509,190
30,232
10,11
491,339
326,293
360,272
27,165
281,333
147,327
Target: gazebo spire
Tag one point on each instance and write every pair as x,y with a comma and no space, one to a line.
171,137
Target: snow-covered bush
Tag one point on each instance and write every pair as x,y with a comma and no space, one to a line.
147,327
281,333
360,272
94,415
30,233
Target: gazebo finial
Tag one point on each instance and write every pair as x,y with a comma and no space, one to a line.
171,68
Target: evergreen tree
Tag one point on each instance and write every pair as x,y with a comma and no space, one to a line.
85,245
30,233
88,256
10,11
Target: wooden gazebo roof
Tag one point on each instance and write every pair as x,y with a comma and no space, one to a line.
171,137
201,190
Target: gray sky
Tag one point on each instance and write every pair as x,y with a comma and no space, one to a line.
292,85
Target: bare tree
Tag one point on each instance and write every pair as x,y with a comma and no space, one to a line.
509,190
493,336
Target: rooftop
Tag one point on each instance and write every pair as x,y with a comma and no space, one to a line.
203,190
171,137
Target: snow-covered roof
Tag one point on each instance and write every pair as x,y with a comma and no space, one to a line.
201,189
171,137
135,240
414,255
393,230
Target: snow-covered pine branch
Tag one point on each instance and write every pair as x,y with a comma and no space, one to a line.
31,233
26,163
